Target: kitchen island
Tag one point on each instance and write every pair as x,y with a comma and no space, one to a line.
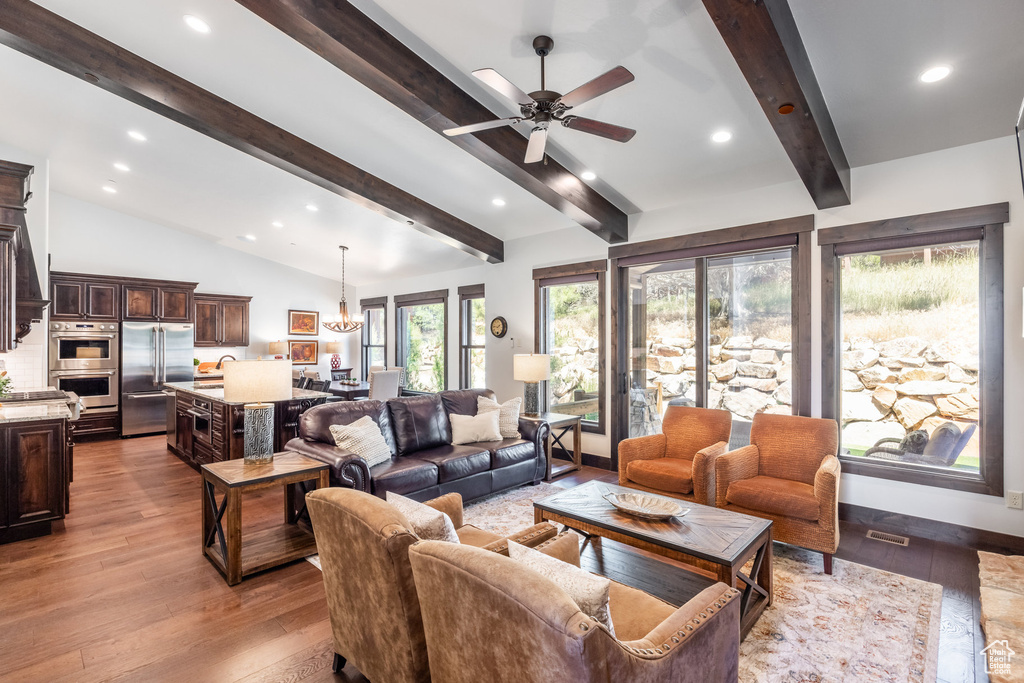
202,427
35,465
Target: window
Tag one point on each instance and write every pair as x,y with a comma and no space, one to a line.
570,303
375,332
472,336
912,347
716,320
422,340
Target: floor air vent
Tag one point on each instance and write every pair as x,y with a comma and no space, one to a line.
889,538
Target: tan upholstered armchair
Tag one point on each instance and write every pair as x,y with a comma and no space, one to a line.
489,618
680,461
789,474
375,613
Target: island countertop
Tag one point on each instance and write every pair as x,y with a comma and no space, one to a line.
33,411
216,393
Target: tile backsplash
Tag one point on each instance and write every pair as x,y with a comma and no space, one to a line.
26,366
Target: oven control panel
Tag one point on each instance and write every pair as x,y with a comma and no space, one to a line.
84,327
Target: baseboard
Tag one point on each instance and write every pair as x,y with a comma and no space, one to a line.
906,525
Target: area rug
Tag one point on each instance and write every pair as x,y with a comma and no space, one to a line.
859,624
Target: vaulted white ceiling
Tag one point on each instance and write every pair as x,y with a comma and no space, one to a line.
866,54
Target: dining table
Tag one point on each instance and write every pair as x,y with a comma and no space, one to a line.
350,391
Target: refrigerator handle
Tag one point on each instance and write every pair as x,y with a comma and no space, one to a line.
156,356
163,354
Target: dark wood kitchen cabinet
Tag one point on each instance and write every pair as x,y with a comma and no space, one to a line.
21,299
158,300
78,297
34,477
222,320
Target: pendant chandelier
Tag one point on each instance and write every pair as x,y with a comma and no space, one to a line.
343,323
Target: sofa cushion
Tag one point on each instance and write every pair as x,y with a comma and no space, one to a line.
474,428
634,612
783,497
455,462
402,475
665,474
463,401
508,414
419,423
315,423
508,451
363,438
475,536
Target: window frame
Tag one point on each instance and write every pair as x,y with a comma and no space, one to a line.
366,305
468,294
794,233
982,223
588,271
437,296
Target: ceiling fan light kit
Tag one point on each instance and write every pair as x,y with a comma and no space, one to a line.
543,106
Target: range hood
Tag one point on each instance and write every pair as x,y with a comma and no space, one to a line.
21,296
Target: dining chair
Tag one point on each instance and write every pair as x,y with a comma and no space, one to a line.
385,384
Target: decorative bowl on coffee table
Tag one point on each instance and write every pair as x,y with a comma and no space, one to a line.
645,506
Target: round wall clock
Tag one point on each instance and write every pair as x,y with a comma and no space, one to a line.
499,327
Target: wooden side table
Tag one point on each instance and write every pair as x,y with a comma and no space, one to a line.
561,424
222,522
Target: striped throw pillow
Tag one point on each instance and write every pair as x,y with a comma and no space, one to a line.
508,415
363,438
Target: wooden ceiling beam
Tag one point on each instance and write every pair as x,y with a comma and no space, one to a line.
763,38
351,41
48,37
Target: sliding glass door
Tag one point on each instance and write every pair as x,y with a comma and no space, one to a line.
712,332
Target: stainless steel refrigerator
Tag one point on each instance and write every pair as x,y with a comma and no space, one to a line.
151,355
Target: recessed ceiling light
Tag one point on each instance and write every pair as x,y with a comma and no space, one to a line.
124,168
109,187
136,135
278,224
722,136
498,201
936,73
197,24
247,238
588,175
312,207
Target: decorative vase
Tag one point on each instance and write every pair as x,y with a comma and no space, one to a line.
259,433
530,395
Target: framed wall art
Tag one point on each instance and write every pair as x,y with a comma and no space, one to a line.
303,322
303,351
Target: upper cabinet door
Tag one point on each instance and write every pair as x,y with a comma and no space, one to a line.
208,315
140,303
176,305
235,329
101,301
67,299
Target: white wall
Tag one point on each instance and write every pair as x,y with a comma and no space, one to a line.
88,238
982,173
26,365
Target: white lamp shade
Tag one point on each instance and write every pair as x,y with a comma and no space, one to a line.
531,367
335,347
256,381
278,348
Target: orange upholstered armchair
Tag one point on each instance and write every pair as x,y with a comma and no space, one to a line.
789,474
680,461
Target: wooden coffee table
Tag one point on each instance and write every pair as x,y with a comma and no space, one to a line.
222,521
710,541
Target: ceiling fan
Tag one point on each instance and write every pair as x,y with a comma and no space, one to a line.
543,106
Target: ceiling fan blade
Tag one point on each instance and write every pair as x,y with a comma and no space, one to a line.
474,127
535,150
615,78
605,130
503,86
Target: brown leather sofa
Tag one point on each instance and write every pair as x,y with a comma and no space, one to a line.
424,463
364,552
679,462
789,474
488,618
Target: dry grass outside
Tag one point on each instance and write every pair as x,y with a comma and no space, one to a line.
950,322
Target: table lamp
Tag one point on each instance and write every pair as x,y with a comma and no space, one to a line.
278,349
334,348
257,384
531,368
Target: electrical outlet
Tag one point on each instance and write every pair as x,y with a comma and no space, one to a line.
1015,500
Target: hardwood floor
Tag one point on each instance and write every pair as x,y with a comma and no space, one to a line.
121,591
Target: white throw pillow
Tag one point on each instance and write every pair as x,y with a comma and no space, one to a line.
589,591
475,428
426,522
363,438
508,414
